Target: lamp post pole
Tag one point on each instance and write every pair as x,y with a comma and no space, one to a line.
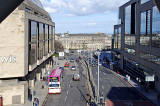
98,77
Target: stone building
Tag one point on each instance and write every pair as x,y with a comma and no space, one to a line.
85,41
26,48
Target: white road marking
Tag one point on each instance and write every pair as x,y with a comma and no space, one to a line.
102,87
65,98
69,85
67,92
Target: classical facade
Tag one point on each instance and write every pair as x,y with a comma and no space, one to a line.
85,41
136,41
27,45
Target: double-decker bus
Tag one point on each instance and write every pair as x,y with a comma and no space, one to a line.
54,81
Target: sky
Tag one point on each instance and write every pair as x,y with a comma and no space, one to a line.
83,16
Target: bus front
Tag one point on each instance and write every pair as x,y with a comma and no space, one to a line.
54,85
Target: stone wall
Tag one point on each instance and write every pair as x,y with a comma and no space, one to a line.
12,45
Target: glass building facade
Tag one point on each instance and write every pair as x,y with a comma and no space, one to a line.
41,41
140,39
155,28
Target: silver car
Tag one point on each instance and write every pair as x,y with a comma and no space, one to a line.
76,77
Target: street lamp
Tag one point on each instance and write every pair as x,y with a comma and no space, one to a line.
98,77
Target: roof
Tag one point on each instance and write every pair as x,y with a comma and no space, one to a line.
55,73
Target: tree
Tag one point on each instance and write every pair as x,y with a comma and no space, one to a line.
58,46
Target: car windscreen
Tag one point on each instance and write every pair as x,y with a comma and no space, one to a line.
54,85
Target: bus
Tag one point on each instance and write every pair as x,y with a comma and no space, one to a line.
55,81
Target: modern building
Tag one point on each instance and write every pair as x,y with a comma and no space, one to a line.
26,48
85,41
136,41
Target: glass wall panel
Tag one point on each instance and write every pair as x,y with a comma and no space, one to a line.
32,54
128,20
119,38
33,36
50,45
41,31
46,32
130,40
144,1
40,50
145,28
50,32
46,47
156,28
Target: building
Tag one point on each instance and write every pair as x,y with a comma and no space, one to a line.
136,41
85,41
27,45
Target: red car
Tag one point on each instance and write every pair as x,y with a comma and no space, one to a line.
66,64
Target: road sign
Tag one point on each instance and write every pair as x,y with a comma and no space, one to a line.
149,78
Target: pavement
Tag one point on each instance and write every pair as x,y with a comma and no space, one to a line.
73,92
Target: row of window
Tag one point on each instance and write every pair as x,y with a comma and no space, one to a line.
41,41
147,37
117,38
149,26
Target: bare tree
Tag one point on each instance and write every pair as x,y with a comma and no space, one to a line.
58,46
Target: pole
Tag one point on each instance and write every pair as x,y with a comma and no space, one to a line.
98,79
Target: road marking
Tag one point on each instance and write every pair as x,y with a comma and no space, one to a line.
65,98
69,85
67,92
102,87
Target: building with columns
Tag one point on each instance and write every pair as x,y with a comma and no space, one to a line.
27,45
84,41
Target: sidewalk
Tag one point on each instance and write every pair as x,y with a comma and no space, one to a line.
151,94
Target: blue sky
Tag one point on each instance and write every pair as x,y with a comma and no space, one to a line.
83,16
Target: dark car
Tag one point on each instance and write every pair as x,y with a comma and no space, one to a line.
62,68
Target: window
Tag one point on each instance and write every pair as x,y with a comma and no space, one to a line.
50,32
46,32
33,36
41,31
156,28
144,1
130,24
33,42
145,28
41,44
32,54
128,20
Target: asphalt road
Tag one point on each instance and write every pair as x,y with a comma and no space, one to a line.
73,92
113,88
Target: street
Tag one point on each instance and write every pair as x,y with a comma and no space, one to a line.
73,92
113,88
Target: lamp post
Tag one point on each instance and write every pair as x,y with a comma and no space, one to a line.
98,78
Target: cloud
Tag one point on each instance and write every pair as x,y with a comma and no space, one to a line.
82,7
